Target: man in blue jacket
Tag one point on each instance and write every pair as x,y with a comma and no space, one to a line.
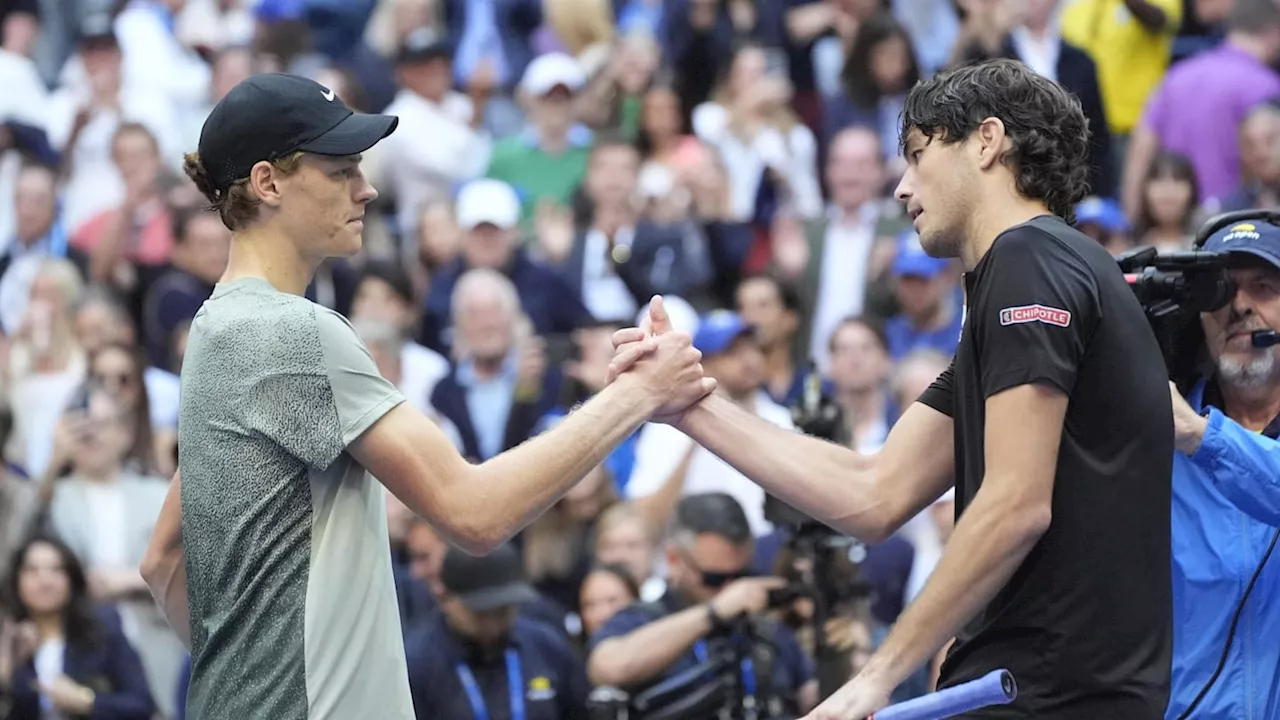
1226,499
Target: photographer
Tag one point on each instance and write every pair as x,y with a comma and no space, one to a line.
709,552
1226,498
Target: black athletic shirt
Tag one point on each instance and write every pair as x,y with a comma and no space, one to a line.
1084,624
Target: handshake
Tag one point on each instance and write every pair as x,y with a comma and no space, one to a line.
661,364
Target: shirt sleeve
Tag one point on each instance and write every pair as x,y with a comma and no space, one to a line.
360,394
1034,319
323,392
1238,460
939,395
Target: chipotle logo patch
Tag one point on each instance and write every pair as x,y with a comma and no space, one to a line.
1035,313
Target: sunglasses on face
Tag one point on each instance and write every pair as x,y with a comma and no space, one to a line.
714,580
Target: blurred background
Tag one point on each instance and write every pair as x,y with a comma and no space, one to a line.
557,163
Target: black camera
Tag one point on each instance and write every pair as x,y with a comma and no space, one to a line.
824,563
1174,288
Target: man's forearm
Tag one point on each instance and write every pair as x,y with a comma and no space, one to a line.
988,544
511,490
648,651
164,566
168,585
832,483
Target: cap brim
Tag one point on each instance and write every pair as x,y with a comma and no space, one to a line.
501,596
352,136
1256,252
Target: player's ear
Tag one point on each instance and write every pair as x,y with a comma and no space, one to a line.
992,143
265,179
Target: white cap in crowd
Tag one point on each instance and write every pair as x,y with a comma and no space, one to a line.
548,71
487,201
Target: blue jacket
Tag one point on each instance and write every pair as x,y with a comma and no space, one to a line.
1226,510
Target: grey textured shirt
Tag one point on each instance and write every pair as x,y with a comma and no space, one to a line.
293,608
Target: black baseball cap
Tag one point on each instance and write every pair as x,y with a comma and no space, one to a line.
486,583
272,115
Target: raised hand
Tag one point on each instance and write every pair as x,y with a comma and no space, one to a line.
630,343
671,373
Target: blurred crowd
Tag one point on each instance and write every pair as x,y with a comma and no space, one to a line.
557,163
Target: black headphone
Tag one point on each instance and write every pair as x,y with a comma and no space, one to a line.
1217,222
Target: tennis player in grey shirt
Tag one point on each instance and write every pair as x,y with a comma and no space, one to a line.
271,556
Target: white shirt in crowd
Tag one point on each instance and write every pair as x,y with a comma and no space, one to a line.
661,448
433,149
794,156
604,294
842,286
420,369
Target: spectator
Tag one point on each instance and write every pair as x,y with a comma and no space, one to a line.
1167,216
618,261
72,659
663,136
1259,160
605,590
847,253
19,511
385,294
478,656
771,307
38,235
130,243
86,112
708,557
875,79
46,365
1129,41
488,213
860,372
614,98
494,37
624,537
499,386
104,511
766,150
201,246
548,160
1104,221
1201,103
116,370
102,320
155,59
931,309
440,143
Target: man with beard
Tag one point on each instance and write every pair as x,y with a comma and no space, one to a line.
478,658
1226,498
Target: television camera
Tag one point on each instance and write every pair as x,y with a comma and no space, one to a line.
823,563
1174,288
730,682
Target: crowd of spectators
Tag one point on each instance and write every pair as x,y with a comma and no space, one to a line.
557,163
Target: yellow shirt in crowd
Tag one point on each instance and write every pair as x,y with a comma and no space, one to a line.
1131,59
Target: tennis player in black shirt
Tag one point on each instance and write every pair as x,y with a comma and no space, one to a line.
1053,422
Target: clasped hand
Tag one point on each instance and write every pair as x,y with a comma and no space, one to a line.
665,363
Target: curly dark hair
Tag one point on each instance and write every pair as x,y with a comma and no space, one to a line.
1049,131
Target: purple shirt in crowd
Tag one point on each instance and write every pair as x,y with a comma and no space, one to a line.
1199,106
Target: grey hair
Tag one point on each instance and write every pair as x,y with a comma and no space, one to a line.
484,280
380,335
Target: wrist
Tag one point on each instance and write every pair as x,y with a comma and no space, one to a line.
1189,442
630,392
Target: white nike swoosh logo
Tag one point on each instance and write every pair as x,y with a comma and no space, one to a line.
328,95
